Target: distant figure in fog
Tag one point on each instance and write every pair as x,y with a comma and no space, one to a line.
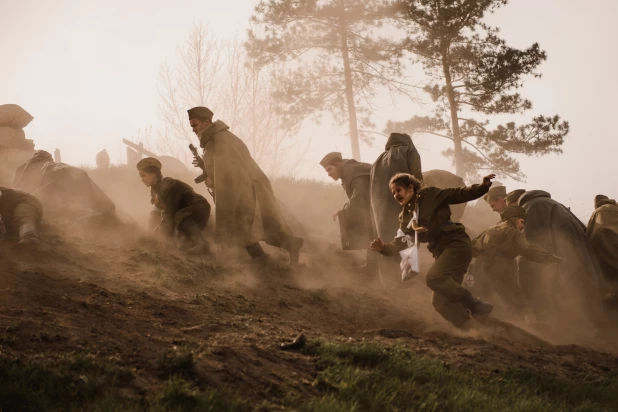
103,160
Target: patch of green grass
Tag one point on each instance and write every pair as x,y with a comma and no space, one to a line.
74,380
369,377
180,395
85,383
172,363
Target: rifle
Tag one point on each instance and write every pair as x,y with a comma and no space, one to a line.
201,178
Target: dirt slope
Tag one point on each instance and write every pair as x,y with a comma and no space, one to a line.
134,300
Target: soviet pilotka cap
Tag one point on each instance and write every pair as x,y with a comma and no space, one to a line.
513,197
494,193
148,162
200,112
513,211
329,158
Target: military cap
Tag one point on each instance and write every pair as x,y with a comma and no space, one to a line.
495,192
598,199
330,157
148,162
40,155
513,211
514,196
200,112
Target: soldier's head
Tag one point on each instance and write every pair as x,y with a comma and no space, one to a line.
598,199
512,199
200,118
331,163
496,198
403,187
514,216
149,170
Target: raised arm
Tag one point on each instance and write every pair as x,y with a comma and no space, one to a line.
456,195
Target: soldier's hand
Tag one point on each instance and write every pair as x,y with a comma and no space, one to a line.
335,216
557,260
198,162
377,245
487,179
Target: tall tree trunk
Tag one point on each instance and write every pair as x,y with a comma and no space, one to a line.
459,162
349,87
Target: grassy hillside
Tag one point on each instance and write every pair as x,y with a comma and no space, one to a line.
114,320
91,324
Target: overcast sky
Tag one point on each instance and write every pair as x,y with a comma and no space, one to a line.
87,71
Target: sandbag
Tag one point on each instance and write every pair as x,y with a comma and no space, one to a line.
11,138
12,115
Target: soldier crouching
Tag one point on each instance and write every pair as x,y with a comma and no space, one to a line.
496,250
184,212
20,215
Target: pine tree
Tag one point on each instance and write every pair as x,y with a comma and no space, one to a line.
335,57
475,74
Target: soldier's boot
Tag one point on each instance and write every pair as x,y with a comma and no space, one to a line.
369,269
28,234
293,246
196,244
200,247
477,307
255,251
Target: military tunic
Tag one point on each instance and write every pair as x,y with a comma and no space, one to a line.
496,250
447,241
355,181
178,201
576,284
602,231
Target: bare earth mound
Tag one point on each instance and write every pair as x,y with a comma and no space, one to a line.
103,326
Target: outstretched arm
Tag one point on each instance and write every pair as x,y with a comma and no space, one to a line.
456,195
532,252
389,249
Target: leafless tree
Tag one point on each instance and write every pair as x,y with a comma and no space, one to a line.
215,73
193,81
